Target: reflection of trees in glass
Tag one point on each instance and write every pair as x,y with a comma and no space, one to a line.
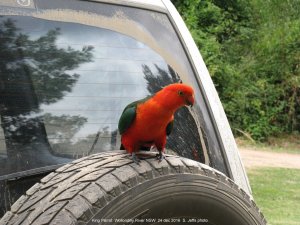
32,72
79,147
162,78
184,139
62,128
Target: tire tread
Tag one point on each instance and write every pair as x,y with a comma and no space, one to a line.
76,191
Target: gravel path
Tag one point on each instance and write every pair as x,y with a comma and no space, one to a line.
253,158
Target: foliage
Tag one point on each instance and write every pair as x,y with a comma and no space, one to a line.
251,49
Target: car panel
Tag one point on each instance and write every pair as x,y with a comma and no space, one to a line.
217,142
174,55
230,149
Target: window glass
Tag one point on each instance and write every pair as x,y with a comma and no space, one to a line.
68,70
63,93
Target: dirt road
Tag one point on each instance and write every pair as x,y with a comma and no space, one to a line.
253,158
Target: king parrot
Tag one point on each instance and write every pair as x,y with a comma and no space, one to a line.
148,121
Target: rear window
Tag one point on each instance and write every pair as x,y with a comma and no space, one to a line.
66,75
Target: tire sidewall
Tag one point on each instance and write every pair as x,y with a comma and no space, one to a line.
184,196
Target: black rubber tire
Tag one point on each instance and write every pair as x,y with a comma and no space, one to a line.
101,188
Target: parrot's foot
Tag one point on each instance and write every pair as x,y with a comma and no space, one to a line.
160,156
135,158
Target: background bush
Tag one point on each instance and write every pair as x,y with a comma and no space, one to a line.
252,51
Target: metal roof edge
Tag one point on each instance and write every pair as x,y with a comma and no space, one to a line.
156,5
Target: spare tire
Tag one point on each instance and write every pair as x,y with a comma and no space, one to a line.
108,188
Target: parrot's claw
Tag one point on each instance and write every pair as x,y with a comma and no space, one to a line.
160,156
135,158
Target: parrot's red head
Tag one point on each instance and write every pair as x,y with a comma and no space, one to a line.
177,95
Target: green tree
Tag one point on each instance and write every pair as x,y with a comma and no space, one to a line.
251,49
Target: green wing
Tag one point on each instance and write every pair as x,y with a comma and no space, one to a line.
129,114
170,127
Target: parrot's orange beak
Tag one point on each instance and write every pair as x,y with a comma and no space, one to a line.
190,100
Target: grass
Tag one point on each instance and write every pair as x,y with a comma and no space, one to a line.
277,193
285,143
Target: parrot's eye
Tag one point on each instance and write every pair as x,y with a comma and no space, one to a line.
180,93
